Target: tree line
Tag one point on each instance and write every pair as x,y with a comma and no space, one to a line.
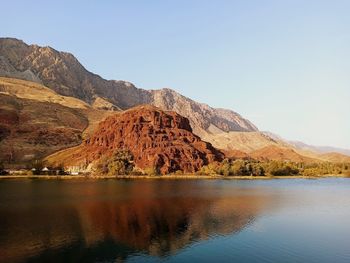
121,163
273,168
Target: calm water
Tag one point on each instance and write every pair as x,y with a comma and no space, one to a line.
175,221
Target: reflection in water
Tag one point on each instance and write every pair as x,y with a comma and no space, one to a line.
109,220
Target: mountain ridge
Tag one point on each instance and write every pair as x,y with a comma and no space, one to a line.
63,73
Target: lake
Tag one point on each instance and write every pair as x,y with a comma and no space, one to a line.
286,220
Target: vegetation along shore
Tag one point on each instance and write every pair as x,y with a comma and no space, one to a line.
121,166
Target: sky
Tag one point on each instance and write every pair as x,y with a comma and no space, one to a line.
284,65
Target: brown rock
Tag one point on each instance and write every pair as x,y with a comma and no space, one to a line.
156,138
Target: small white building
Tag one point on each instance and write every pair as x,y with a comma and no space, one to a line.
74,170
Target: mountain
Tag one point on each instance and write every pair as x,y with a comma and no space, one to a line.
62,72
319,149
35,121
324,153
156,138
335,157
242,141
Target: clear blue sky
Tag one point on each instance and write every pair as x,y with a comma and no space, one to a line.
285,65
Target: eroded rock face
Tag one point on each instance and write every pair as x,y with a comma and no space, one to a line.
155,138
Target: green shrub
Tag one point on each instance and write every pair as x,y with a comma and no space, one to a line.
151,171
2,169
120,163
179,172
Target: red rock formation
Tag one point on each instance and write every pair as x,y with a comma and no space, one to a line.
155,138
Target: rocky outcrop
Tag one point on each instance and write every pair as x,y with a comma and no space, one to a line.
156,139
63,73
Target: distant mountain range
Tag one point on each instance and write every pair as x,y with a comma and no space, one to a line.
320,149
50,102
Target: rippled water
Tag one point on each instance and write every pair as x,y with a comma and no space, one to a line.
175,220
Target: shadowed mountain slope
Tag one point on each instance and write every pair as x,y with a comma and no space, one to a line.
35,121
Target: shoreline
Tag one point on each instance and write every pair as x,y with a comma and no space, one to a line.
167,177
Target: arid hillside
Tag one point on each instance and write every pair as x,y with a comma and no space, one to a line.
335,157
157,139
280,154
242,141
35,121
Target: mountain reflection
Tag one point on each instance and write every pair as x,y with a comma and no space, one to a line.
142,218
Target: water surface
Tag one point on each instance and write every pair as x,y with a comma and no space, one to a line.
175,220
